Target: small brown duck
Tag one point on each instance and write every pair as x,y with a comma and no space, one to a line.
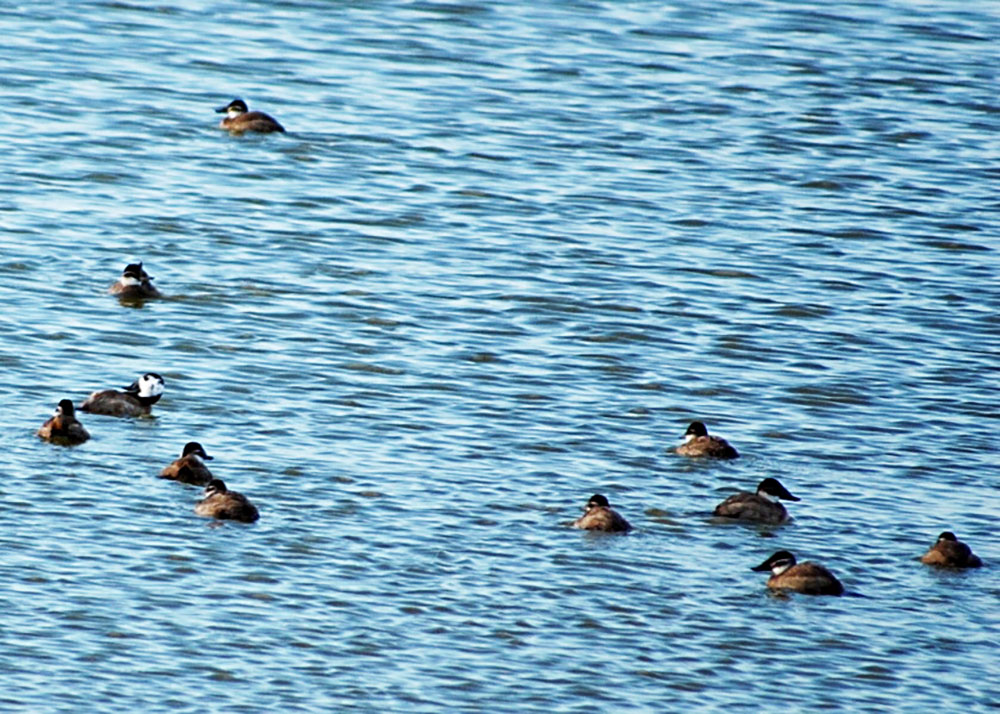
808,578
239,120
950,552
62,427
220,502
135,401
697,442
762,506
189,467
598,516
134,284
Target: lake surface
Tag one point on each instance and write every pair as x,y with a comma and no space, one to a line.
505,253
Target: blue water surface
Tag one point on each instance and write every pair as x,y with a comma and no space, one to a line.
505,253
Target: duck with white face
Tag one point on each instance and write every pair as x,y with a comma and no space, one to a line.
239,120
762,506
134,401
134,284
62,427
807,578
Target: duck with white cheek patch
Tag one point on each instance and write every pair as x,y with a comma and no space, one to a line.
134,284
807,578
134,401
238,120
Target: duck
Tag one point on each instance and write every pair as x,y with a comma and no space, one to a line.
135,401
189,467
221,503
239,120
762,506
134,284
62,427
599,516
950,552
807,578
698,442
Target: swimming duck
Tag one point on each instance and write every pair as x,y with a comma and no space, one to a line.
808,578
189,467
134,284
220,502
762,506
62,427
239,120
697,442
598,516
950,552
135,401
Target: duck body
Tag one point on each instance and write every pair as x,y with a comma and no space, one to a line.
63,427
189,468
599,516
134,401
807,578
762,506
698,442
134,284
239,120
223,504
950,552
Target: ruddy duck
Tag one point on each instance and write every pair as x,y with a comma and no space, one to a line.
950,552
62,427
134,284
239,120
189,468
762,506
219,502
135,401
808,578
697,442
598,516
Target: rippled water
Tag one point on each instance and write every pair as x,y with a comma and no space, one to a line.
506,252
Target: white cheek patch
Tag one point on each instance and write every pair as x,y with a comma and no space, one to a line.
128,281
779,569
688,438
150,386
233,112
770,498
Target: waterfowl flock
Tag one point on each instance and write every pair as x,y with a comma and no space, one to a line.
135,286
760,506
763,506
64,429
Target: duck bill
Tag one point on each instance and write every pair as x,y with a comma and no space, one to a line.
789,497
